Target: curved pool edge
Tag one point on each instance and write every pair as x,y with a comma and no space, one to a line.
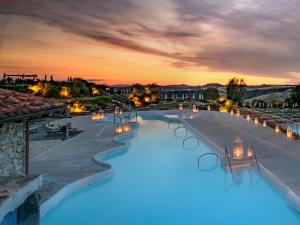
290,196
124,142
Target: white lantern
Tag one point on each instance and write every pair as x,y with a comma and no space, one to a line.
208,108
256,120
277,129
180,107
231,112
126,127
238,113
238,149
119,129
265,123
250,153
101,115
248,118
195,109
117,109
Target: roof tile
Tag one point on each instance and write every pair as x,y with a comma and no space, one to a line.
15,104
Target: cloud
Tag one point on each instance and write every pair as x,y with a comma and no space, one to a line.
243,36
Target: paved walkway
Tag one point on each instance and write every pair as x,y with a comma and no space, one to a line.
72,159
275,152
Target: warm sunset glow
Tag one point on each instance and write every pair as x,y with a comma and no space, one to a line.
177,49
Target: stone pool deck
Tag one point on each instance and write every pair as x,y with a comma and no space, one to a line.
276,153
72,159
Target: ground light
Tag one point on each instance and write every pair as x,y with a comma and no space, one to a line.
99,115
277,129
238,113
119,129
250,152
289,132
256,120
264,123
248,118
195,109
208,108
180,107
231,113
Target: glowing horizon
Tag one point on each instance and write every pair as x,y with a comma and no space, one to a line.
189,42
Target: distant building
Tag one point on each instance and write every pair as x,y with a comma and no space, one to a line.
188,94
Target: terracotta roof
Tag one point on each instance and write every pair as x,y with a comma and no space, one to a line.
15,105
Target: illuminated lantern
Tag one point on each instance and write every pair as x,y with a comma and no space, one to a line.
277,130
231,112
238,113
65,92
250,153
117,109
208,108
180,107
95,91
195,109
94,116
126,127
248,118
238,149
121,112
101,115
289,132
265,123
256,120
119,129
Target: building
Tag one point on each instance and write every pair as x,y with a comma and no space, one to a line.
185,94
17,188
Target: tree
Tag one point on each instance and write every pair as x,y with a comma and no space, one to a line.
210,94
236,89
295,94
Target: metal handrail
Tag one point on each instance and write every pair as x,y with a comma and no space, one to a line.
174,122
254,154
227,157
190,137
186,131
208,153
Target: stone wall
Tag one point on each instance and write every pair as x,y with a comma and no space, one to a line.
11,149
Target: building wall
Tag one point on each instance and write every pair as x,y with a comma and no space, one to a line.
11,149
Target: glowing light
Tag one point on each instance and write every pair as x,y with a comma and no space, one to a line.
238,149
64,92
98,116
127,127
289,132
147,99
180,107
238,113
248,118
95,91
256,120
231,112
264,123
195,109
77,107
208,108
277,129
35,88
250,152
119,129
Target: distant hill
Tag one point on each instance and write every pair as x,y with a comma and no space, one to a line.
255,92
271,97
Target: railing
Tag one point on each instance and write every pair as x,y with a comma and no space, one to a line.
254,155
205,154
229,163
178,128
188,138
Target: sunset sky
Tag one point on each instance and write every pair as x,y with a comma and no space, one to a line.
163,41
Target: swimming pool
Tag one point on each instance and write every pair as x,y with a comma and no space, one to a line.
158,182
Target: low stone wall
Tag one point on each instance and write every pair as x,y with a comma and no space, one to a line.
11,149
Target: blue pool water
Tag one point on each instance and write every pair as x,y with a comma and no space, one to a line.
158,182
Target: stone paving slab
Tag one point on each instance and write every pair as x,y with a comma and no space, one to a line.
72,159
281,156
